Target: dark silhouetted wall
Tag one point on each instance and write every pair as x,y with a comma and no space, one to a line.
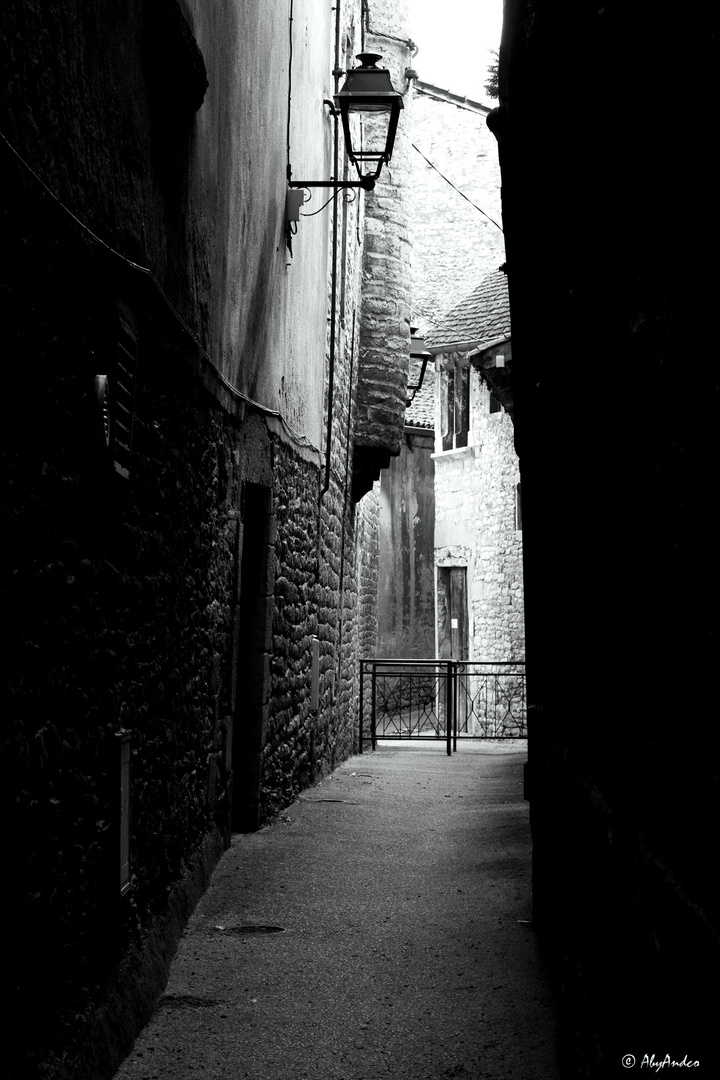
613,296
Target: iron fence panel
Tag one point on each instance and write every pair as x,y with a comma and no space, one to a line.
442,700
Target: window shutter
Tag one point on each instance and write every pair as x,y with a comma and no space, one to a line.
448,409
122,399
462,406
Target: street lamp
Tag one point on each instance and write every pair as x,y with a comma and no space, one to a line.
367,90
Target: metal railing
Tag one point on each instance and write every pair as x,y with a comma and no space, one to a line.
442,700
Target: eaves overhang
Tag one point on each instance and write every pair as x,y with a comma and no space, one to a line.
439,94
496,370
470,348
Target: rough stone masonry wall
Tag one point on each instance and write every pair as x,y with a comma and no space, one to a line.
325,588
497,589
118,593
367,573
289,741
454,245
325,578
385,327
325,555
475,491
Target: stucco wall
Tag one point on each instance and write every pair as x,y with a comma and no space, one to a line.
406,609
207,217
265,310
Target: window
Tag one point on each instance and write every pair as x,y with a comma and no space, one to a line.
455,406
125,795
115,393
122,402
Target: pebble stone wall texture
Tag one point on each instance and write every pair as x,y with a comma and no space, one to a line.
454,245
325,585
119,596
475,500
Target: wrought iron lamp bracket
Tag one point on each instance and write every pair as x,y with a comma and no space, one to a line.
365,182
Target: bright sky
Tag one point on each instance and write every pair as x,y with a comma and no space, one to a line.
455,38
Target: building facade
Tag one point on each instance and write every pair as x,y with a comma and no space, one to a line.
457,240
189,460
478,513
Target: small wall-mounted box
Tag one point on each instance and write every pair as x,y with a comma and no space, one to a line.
497,361
295,199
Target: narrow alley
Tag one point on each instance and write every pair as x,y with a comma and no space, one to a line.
381,926
317,361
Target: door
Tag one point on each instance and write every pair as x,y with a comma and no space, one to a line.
452,617
253,656
452,620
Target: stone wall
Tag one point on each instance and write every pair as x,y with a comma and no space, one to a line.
385,319
325,593
454,245
475,525
119,596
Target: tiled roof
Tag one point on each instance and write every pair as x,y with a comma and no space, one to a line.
481,317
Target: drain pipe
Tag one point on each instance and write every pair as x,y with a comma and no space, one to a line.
341,584
334,274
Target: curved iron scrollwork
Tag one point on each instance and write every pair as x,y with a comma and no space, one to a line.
442,699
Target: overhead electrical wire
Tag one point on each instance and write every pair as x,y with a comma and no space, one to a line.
423,315
456,188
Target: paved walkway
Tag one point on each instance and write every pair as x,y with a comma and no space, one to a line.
402,887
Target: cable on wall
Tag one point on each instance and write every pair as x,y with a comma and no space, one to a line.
414,49
238,395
